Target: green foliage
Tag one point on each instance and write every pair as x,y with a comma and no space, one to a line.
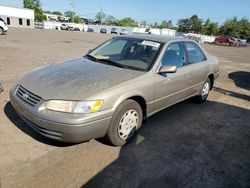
69,14
236,28
100,16
47,11
36,6
111,20
210,28
184,25
77,19
155,25
143,22
196,24
40,17
57,13
127,22
232,27
192,24
166,24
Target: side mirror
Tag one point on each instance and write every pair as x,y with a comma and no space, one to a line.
168,69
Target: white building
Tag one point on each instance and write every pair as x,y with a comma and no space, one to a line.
17,17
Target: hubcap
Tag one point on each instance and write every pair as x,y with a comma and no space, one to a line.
205,90
128,124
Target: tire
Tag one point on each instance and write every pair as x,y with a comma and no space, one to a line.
129,110
202,97
1,31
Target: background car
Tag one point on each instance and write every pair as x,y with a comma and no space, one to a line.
3,27
71,28
64,27
77,29
241,43
227,40
248,41
114,31
103,30
90,30
123,32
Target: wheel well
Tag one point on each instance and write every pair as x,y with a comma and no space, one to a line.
211,77
141,101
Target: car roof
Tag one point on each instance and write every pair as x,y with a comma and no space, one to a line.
156,38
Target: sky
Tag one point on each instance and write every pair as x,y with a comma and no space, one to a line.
150,10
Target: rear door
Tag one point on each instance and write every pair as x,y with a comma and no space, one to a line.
196,66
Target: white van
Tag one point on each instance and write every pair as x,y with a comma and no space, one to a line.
3,27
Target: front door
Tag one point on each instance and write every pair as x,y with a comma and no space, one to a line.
172,87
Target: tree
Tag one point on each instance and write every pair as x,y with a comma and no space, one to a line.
36,6
69,14
192,24
244,26
100,16
183,25
143,23
127,22
230,27
57,13
77,19
111,20
236,28
155,25
166,24
47,11
210,28
196,24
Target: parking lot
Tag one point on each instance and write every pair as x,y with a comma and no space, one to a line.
186,145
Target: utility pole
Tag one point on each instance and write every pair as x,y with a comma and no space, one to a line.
73,10
101,15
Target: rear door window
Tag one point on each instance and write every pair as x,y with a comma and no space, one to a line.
194,53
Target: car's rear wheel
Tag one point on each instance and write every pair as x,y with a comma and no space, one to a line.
125,122
202,97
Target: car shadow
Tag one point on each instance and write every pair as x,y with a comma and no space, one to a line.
186,145
241,79
232,93
19,123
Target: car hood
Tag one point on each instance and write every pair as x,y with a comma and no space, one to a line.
74,80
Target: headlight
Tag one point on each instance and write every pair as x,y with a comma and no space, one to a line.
74,106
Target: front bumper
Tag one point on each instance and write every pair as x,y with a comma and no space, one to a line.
62,126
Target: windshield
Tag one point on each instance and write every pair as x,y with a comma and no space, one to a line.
130,53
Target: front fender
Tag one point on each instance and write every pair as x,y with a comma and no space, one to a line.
128,95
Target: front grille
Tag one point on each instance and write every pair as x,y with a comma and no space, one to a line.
27,97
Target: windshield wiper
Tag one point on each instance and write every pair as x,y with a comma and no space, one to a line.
91,57
110,62
106,61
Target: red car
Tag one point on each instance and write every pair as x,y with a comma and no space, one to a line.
226,40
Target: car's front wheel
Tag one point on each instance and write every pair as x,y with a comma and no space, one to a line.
202,97
125,122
